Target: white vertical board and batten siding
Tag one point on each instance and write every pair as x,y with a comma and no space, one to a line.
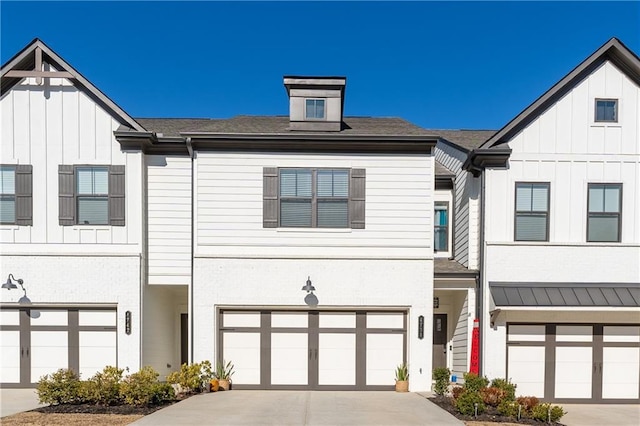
465,217
399,204
52,124
169,219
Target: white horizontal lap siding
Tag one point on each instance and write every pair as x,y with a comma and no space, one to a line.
466,213
169,219
399,204
564,146
53,124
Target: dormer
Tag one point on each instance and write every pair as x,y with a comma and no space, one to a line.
315,103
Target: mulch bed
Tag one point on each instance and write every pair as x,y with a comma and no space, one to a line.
491,415
100,409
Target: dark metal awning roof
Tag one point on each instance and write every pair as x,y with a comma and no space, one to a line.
565,294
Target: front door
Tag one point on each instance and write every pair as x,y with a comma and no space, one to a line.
439,340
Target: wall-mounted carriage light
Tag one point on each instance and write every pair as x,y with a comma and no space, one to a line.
308,287
9,285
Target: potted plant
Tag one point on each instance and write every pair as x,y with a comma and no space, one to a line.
402,378
223,374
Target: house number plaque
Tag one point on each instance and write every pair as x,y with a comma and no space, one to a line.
420,327
127,322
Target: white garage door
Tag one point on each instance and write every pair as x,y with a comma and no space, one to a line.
36,342
313,349
575,362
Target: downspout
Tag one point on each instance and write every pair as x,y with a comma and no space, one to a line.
191,315
480,285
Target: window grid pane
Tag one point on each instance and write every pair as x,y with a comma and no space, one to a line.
441,228
606,110
93,210
604,215
333,214
92,181
603,228
7,209
7,180
295,213
531,227
532,212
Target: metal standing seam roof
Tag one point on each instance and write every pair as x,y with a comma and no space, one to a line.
566,294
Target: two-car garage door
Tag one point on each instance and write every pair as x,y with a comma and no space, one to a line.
325,350
35,342
575,362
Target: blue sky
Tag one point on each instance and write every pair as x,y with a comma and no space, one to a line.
438,64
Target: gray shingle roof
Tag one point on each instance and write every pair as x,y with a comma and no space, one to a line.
441,170
465,139
279,124
444,266
565,294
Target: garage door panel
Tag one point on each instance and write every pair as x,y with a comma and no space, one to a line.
289,359
9,317
49,352
573,372
97,318
384,354
337,359
243,350
385,320
96,351
9,356
620,370
527,369
50,317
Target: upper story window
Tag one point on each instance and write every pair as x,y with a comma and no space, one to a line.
8,194
441,228
91,195
606,110
532,211
604,212
314,109
313,198
16,200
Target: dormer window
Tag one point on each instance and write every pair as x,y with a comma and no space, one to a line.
315,109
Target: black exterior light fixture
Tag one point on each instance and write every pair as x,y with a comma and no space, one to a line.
310,299
9,285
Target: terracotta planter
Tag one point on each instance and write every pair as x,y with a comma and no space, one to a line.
214,385
402,386
224,384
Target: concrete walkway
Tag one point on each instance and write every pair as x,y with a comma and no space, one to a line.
14,401
302,408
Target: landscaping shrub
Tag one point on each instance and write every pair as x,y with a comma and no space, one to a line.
189,377
456,391
103,388
144,389
509,408
62,387
441,376
465,404
492,396
547,412
508,387
473,383
528,402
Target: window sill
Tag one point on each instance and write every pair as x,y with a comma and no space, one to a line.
98,227
603,124
11,226
317,230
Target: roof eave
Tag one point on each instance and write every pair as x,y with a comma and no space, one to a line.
481,158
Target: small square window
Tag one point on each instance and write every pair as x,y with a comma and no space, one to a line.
314,109
607,110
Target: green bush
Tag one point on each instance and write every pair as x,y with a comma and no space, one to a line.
547,412
189,377
465,404
509,408
103,388
473,383
441,376
508,387
144,389
62,387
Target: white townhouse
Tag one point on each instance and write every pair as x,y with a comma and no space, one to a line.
560,237
298,247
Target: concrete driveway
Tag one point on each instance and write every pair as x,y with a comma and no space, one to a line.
14,401
604,414
302,408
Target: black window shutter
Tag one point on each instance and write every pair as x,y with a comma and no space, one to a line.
270,197
357,198
66,200
116,196
24,194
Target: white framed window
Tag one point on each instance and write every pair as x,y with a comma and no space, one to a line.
92,195
604,212
606,110
532,211
7,195
314,109
441,228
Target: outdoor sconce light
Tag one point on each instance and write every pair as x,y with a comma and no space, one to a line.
310,299
308,287
9,285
